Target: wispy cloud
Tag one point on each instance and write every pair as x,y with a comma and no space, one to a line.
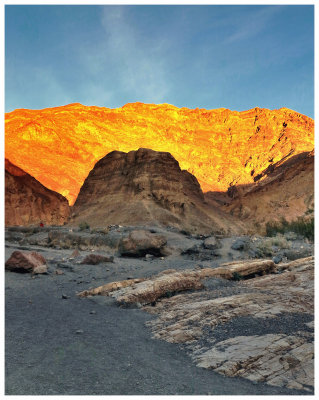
253,24
141,68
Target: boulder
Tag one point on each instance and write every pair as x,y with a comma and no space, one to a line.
240,244
21,261
211,243
95,259
141,242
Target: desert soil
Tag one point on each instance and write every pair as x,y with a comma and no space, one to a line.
60,344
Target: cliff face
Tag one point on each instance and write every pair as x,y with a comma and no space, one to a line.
286,191
27,201
142,187
59,146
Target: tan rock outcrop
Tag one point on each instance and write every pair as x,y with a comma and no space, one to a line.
167,282
28,202
277,358
104,290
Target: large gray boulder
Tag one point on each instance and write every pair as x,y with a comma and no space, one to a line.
142,242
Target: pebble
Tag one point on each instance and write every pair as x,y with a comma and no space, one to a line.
64,296
92,312
79,331
58,272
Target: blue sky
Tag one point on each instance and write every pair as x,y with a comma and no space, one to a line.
237,57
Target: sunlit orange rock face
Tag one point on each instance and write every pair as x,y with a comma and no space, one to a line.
59,146
28,202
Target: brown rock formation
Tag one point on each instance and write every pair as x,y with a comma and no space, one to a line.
29,202
220,147
22,261
284,190
143,187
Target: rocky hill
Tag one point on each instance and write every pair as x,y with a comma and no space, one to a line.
59,146
27,201
145,187
285,190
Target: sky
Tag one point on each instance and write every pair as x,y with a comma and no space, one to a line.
237,57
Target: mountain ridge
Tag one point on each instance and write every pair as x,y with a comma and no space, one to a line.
59,146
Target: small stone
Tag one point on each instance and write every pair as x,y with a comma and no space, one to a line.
211,243
41,269
79,331
277,259
239,244
92,312
75,253
64,296
58,272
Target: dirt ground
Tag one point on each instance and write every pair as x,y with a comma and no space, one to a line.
59,344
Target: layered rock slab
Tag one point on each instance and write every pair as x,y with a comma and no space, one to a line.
28,202
278,359
190,309
146,291
274,358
